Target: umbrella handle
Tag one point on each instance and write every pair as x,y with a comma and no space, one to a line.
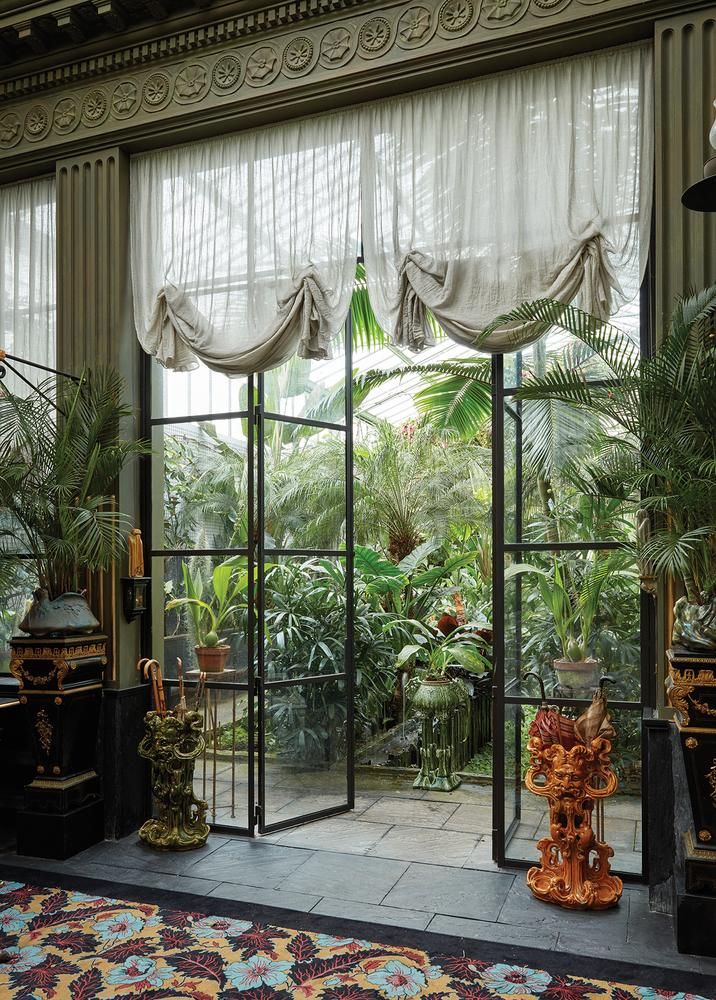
533,673
605,679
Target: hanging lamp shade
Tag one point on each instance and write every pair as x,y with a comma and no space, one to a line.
701,196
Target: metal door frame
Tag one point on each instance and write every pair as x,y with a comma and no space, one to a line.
500,399
255,686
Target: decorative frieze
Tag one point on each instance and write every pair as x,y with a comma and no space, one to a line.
229,72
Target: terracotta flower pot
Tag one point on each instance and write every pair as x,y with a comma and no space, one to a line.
212,659
581,676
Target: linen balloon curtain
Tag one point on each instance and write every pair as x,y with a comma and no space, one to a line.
244,248
27,276
478,197
469,200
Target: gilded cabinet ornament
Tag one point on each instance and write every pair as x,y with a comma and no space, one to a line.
691,742
43,728
711,781
415,27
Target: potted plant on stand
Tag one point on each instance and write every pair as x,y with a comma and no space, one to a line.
60,458
439,699
210,613
573,604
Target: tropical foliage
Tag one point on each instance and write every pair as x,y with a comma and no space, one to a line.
655,449
60,455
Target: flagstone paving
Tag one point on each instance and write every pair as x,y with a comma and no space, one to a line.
404,858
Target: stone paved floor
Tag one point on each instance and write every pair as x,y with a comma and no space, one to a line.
418,862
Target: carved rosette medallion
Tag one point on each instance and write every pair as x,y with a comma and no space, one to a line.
543,8
374,37
191,84
263,66
95,108
66,116
416,27
227,74
456,16
10,130
298,56
338,47
43,728
156,91
37,123
498,13
125,99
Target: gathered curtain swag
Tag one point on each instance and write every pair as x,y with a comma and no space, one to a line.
469,199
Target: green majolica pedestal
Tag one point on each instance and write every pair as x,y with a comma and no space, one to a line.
442,703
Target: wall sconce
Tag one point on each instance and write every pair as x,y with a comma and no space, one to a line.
135,587
701,196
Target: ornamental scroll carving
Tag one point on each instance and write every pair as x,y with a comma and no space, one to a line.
250,52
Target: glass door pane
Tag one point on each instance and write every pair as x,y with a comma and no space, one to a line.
304,594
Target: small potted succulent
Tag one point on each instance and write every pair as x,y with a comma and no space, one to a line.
439,698
211,613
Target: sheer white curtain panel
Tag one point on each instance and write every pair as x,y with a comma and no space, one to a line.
244,248
480,196
27,277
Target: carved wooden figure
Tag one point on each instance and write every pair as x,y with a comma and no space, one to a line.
574,872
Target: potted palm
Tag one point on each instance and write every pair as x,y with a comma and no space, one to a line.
656,445
440,700
573,604
212,606
60,458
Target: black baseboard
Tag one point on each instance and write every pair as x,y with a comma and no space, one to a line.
125,775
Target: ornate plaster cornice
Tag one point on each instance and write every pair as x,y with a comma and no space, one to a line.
222,75
288,60
195,39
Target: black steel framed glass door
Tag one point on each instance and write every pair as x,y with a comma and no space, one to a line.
543,525
278,719
304,664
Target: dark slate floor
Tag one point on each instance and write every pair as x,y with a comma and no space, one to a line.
380,865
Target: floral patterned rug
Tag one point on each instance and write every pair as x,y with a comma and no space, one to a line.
66,944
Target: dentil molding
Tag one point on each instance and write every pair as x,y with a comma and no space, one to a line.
284,60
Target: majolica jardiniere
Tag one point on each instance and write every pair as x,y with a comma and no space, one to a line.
441,701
